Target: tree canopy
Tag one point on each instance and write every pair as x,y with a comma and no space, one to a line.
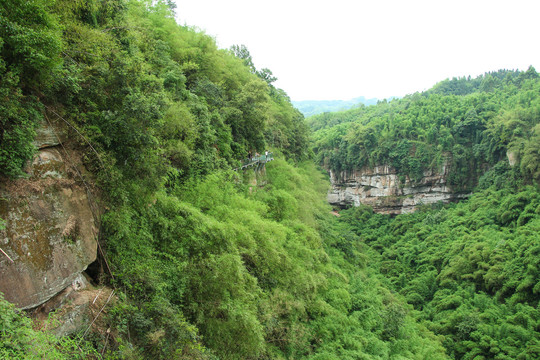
460,123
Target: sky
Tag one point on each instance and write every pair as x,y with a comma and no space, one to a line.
342,49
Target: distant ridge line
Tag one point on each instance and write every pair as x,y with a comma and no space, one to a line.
313,107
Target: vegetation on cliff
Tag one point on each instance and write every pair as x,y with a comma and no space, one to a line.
148,94
19,340
468,124
208,265
204,265
471,270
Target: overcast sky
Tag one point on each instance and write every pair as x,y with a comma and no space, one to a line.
341,49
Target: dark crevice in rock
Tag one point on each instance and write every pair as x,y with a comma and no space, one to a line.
96,271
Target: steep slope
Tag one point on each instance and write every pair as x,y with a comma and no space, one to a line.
202,265
207,265
383,189
469,269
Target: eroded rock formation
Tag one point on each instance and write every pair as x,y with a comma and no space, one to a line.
388,193
50,229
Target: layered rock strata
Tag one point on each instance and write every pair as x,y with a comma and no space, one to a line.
388,193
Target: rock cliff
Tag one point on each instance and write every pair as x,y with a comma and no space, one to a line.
388,193
50,232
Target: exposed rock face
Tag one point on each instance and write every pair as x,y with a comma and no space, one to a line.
70,307
382,189
512,157
49,134
73,310
50,233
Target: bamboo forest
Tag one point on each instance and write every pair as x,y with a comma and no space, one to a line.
179,205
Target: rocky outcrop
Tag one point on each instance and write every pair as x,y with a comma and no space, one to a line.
70,307
513,157
50,232
49,134
388,193
74,310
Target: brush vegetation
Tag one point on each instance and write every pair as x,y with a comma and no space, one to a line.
208,265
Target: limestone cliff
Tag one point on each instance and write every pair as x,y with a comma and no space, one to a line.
388,193
50,228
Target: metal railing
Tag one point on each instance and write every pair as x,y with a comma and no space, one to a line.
256,160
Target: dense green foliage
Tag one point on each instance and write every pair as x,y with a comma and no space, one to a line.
467,124
18,340
29,56
151,96
470,270
208,265
204,265
259,273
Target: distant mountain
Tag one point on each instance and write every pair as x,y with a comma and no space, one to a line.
314,107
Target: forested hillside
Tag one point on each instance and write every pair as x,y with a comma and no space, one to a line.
469,124
203,264
207,264
470,270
